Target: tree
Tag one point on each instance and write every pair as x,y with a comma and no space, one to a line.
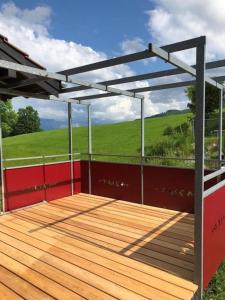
8,118
27,121
211,99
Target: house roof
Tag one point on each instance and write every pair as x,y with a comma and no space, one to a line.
14,80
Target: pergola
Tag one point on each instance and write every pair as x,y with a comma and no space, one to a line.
22,77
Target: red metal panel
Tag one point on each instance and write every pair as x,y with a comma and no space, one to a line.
77,176
58,180
119,181
214,233
171,188
23,186
84,176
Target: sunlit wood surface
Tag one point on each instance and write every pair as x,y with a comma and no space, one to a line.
90,247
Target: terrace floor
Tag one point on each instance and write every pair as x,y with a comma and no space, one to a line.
90,247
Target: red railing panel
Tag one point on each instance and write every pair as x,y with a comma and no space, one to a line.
77,177
169,187
214,233
115,180
57,180
23,186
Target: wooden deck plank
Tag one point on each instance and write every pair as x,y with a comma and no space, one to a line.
177,266
8,294
84,264
178,253
144,208
165,248
137,223
109,264
80,244
89,247
135,217
162,237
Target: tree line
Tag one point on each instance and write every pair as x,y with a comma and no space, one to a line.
25,120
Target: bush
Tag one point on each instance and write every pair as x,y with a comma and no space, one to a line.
184,128
168,130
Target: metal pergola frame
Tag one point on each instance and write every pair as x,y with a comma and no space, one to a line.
164,53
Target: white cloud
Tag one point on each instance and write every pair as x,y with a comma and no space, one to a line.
174,20
133,45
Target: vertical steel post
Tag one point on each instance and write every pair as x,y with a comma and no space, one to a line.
44,178
142,148
199,166
2,189
220,135
89,147
70,139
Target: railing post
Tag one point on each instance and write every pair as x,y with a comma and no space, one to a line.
142,148
220,135
199,166
89,148
70,138
44,178
2,191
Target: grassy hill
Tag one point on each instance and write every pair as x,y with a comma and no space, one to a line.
120,138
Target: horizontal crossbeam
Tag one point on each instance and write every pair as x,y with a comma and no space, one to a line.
157,87
49,75
179,46
159,52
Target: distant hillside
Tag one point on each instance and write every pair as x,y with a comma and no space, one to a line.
49,124
170,112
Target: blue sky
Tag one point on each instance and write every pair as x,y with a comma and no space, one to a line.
101,24
64,34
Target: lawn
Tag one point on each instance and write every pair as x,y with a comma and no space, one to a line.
118,139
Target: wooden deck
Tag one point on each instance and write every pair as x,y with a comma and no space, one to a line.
90,247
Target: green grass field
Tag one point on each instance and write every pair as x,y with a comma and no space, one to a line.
118,139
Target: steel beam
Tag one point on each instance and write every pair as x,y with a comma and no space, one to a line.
214,188
45,74
180,64
199,166
89,148
147,76
70,144
183,45
2,189
214,174
142,148
220,132
157,87
140,90
108,63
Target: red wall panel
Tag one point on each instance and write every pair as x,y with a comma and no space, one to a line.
29,185
164,187
57,180
84,176
171,188
77,177
23,186
120,181
214,233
